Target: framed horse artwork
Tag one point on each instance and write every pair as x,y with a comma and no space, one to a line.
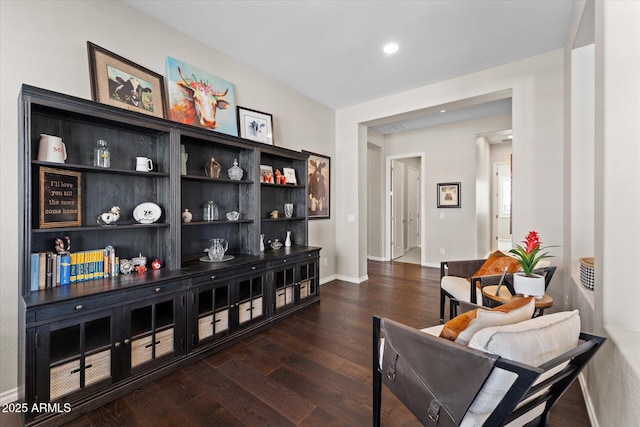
318,186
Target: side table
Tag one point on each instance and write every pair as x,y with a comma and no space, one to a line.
504,296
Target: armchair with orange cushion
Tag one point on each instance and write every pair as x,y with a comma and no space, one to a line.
483,368
464,280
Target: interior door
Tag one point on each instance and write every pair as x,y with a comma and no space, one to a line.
502,207
397,209
413,208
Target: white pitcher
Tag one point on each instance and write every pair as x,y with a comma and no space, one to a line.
51,149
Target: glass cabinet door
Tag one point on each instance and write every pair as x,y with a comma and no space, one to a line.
284,285
152,331
213,312
78,355
250,299
308,279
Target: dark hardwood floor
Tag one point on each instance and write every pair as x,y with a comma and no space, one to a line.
312,369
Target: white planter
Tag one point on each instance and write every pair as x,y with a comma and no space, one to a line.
528,285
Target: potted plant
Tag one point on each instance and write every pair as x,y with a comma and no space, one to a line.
527,282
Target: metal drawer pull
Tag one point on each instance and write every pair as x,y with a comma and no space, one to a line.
284,260
217,321
117,344
253,268
88,366
158,290
213,277
79,307
127,341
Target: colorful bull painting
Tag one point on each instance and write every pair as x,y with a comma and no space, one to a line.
200,99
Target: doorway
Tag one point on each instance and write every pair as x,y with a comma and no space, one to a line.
405,209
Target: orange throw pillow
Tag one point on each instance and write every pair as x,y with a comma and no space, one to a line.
496,263
461,328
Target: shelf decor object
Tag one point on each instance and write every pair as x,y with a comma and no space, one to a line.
255,125
200,99
121,83
60,198
319,186
448,195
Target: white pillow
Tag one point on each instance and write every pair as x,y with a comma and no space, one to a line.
532,342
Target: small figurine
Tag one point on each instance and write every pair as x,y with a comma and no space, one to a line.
274,214
110,217
156,264
60,247
212,168
141,269
280,179
126,266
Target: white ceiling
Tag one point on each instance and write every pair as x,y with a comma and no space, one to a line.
332,50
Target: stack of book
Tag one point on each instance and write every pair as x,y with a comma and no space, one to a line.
49,269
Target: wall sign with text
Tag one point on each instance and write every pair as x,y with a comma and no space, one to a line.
60,198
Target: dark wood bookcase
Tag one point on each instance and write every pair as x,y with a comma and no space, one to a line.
90,342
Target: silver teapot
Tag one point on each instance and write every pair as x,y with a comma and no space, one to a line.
216,249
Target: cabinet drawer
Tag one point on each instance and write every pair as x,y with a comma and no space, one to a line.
249,310
142,348
208,327
82,305
224,274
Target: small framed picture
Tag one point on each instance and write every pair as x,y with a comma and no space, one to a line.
121,83
290,175
255,125
266,174
449,195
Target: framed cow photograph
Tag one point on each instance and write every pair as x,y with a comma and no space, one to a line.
200,99
121,83
318,186
255,125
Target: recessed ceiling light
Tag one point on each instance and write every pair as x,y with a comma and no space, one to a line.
390,48
443,111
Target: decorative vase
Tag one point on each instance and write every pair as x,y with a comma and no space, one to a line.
184,156
287,242
235,172
186,216
532,284
212,168
262,243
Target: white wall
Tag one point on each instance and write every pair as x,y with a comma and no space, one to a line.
614,376
43,44
449,156
582,152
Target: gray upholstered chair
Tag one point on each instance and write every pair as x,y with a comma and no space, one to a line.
458,283
511,373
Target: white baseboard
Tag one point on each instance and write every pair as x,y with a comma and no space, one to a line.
8,396
352,279
327,279
587,401
376,258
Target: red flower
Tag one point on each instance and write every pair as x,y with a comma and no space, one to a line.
531,242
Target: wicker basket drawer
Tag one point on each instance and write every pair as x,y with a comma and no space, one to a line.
64,379
284,296
97,367
142,348
207,327
249,310
304,289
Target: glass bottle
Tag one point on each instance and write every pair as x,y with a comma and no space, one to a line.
101,154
